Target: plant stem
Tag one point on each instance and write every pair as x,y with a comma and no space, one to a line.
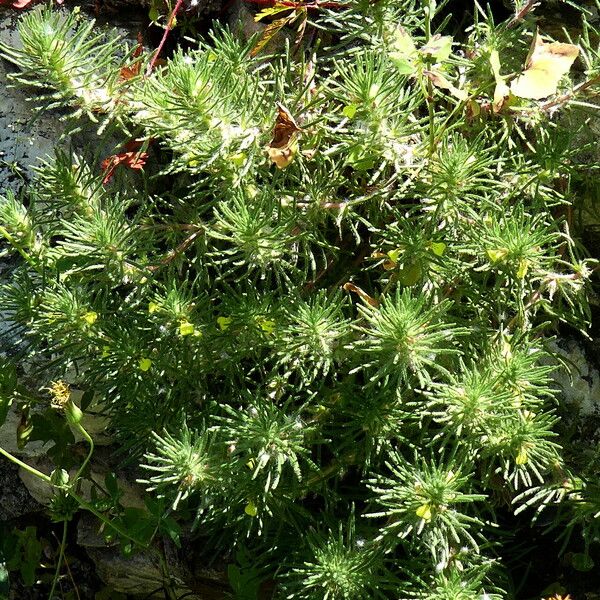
429,84
522,13
82,502
61,555
4,233
87,506
25,466
90,441
168,28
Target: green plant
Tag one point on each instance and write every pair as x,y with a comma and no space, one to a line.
323,286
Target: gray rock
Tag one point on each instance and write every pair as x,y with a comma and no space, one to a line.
22,140
140,573
8,438
132,493
26,137
15,500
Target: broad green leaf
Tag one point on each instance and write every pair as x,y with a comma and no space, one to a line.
8,386
395,254
170,527
90,317
186,328
522,457
31,554
267,325
112,485
411,274
144,364
87,399
138,523
403,44
439,47
224,322
402,63
50,426
582,562
359,159
403,51
5,403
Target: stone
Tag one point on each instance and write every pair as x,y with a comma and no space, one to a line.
15,501
8,438
132,493
141,572
22,140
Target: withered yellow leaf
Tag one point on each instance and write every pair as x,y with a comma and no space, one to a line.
272,29
284,145
501,91
282,157
441,82
545,66
351,287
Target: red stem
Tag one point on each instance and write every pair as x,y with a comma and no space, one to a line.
168,28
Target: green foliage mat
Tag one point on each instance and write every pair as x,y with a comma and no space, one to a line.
313,291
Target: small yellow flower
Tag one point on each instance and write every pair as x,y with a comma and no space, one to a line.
523,267
90,317
497,254
144,364
266,325
186,328
438,248
60,394
522,457
152,307
238,159
251,509
224,322
424,512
